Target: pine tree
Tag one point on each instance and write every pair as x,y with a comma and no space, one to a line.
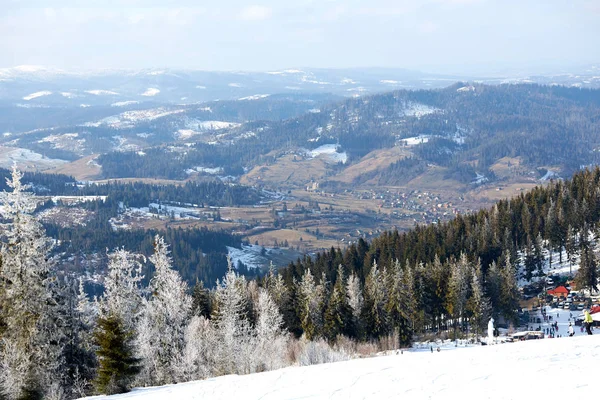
271,340
310,301
587,275
478,305
118,366
355,301
338,314
122,291
400,304
509,290
31,335
374,316
233,332
458,289
160,340
201,300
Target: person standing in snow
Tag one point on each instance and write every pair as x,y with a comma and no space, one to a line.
571,330
587,319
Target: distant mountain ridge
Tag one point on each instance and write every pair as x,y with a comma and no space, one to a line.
35,86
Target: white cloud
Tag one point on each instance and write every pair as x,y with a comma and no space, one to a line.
256,13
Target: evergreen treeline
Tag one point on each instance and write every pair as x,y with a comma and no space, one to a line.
432,277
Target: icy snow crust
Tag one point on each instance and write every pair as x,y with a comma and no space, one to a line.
562,368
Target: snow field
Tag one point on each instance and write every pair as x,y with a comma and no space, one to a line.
562,368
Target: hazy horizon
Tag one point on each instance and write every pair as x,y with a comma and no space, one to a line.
440,36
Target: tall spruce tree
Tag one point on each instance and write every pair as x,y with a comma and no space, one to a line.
118,365
160,340
31,335
338,314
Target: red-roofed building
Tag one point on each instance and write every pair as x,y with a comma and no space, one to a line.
560,291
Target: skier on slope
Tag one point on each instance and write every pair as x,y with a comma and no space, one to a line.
571,330
587,319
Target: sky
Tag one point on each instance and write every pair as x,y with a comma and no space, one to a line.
261,35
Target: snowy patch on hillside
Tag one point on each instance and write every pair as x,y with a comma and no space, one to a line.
390,82
66,141
208,125
124,103
564,368
26,159
68,95
84,105
549,175
200,87
235,85
197,127
418,110
128,119
249,255
330,153
37,94
415,140
466,89
151,92
100,92
479,179
205,170
255,97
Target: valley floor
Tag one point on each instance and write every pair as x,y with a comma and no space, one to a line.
560,368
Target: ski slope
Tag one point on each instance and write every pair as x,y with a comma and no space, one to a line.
560,368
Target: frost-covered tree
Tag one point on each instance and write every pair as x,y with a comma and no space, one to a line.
401,302
233,332
160,338
310,301
458,290
355,297
338,314
374,315
122,288
270,338
478,304
198,355
31,337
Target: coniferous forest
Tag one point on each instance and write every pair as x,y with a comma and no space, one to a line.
149,327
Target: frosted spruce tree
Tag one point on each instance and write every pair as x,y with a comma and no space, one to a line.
162,325
30,334
270,338
310,298
116,329
234,339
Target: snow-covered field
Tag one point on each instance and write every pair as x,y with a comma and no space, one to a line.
26,159
330,153
556,368
249,255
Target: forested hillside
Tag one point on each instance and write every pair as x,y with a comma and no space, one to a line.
465,127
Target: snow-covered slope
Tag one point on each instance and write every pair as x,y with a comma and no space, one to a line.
560,368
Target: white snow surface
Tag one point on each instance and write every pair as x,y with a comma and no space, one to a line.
100,92
556,368
330,152
124,103
37,94
412,141
254,97
249,255
151,92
